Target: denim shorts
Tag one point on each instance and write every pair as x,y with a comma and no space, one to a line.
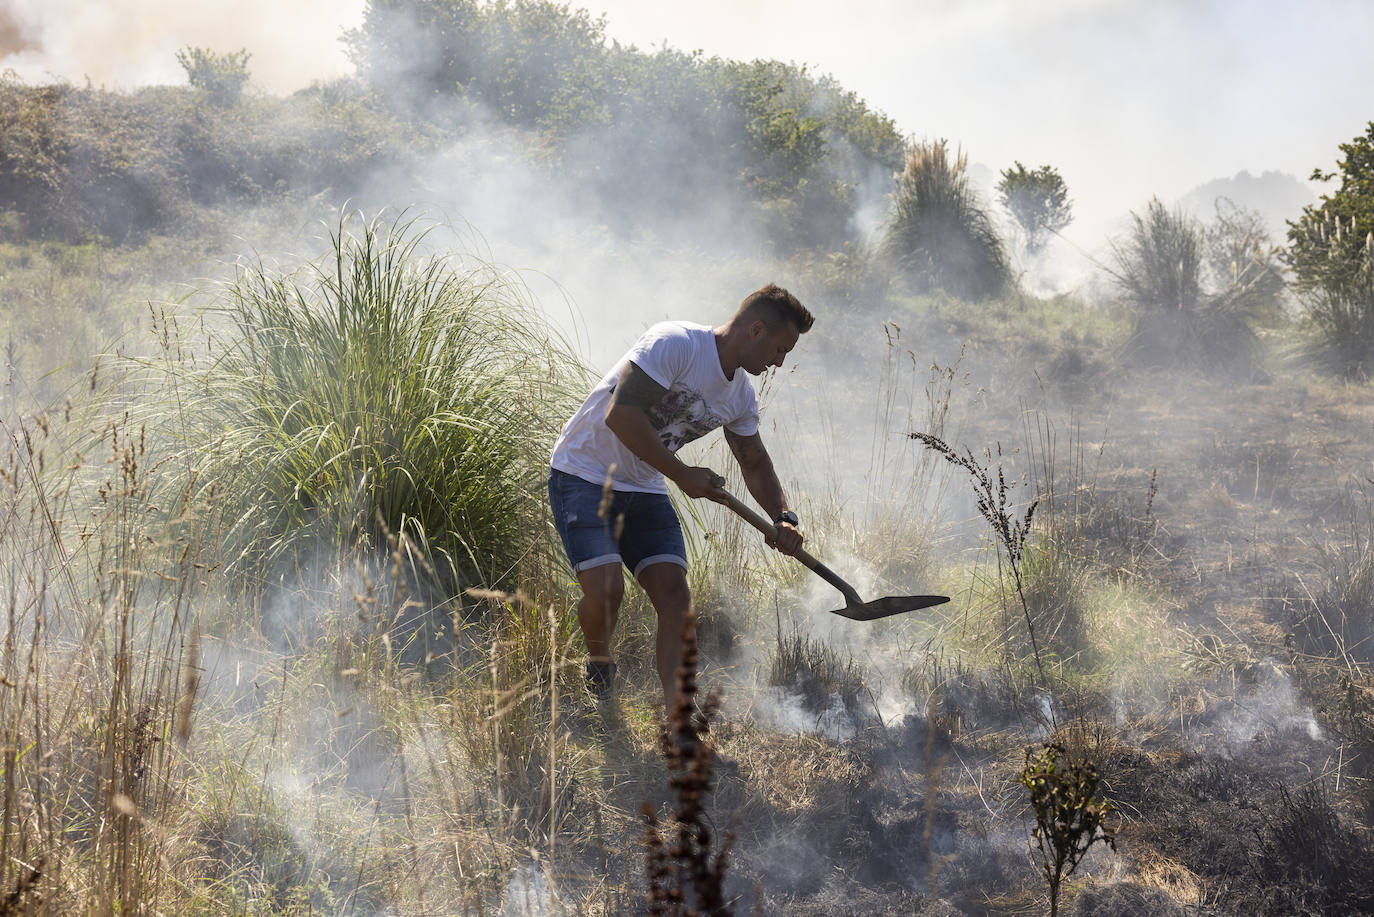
638,530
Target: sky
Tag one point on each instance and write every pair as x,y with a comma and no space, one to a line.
1127,99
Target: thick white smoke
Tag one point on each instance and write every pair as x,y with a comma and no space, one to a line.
134,42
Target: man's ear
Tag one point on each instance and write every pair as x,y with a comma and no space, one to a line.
758,328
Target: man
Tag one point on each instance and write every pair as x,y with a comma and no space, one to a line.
606,483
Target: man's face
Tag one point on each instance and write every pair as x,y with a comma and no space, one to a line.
769,347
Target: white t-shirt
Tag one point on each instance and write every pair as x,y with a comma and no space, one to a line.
681,357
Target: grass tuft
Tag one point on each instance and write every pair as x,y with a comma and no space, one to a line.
1159,268
940,234
382,389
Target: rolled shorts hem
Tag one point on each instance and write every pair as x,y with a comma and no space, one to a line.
600,561
660,559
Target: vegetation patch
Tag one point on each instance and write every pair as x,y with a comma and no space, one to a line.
381,394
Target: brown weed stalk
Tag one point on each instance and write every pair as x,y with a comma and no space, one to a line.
686,878
1010,529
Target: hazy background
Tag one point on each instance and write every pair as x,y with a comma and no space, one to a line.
1125,99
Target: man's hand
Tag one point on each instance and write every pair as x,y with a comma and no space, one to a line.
697,482
789,539
763,483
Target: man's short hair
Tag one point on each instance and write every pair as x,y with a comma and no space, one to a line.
773,305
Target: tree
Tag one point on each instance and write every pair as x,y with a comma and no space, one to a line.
1331,253
220,76
1039,201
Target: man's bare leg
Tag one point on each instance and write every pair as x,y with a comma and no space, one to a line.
603,589
666,585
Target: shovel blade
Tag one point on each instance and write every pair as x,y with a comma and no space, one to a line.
891,605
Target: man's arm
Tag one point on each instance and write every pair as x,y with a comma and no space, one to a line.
763,483
628,418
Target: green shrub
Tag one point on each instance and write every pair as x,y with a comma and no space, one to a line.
940,234
1331,252
83,163
1159,266
530,61
87,164
659,132
222,77
380,391
1069,816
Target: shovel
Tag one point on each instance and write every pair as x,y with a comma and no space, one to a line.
855,608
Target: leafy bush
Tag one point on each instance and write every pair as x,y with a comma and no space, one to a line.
221,77
77,163
768,143
939,234
764,145
381,391
1343,306
82,164
1331,252
525,59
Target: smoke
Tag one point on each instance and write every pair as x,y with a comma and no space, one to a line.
529,893
1276,197
628,229
14,35
134,43
1271,710
598,287
783,711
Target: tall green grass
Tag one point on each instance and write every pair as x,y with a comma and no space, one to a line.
940,233
1160,261
384,389
1177,320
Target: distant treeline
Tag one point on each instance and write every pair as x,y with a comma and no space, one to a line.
648,136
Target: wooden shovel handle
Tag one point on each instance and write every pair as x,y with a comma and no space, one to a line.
767,528
851,597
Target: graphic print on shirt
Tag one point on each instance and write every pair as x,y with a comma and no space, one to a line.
682,416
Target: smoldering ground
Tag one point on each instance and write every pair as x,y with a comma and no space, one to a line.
883,779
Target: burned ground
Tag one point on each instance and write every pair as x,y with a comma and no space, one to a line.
1241,783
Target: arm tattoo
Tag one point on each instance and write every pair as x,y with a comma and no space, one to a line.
637,389
748,450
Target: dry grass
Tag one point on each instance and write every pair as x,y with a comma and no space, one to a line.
159,752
